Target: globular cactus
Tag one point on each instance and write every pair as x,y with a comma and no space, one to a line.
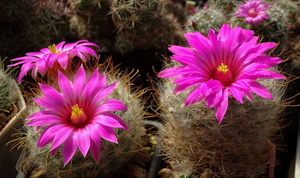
243,145
282,16
91,21
290,8
46,23
276,28
179,10
8,95
204,19
146,23
114,157
226,5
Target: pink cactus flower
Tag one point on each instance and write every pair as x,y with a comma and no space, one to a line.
77,115
61,55
254,11
222,65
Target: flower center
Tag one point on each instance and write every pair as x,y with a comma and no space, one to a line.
223,68
52,49
223,74
252,12
78,116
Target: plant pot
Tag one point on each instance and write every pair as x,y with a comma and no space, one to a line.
294,166
9,156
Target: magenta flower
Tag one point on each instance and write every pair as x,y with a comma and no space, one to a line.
254,12
61,54
222,65
77,115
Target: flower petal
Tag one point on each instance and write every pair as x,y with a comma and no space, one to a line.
61,135
108,133
221,107
48,134
260,90
110,120
66,87
237,93
44,120
83,141
196,95
95,150
110,105
79,81
63,60
70,147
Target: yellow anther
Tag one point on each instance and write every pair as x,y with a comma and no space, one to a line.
52,49
77,112
223,68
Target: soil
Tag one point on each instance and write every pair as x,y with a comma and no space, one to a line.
6,117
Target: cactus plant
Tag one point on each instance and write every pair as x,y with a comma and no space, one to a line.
8,94
242,146
236,138
91,21
281,16
47,23
146,23
114,157
204,19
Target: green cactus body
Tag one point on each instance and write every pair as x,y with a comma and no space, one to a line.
241,146
90,21
281,16
205,19
114,157
276,28
46,24
227,6
8,95
146,23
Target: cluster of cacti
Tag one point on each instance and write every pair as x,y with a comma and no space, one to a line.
144,24
114,157
204,19
242,146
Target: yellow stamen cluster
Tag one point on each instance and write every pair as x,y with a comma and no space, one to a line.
52,49
77,112
223,68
